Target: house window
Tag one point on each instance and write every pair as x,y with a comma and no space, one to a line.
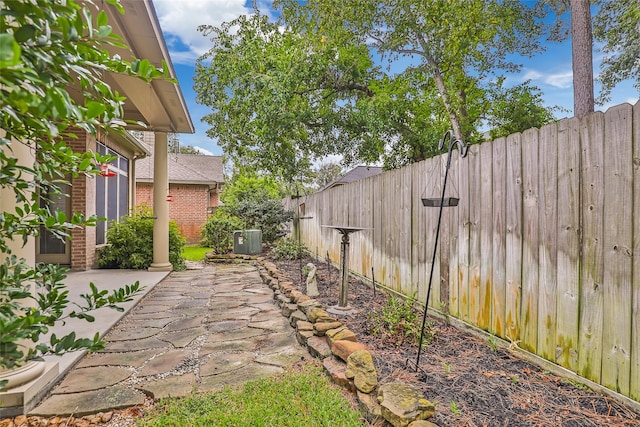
112,192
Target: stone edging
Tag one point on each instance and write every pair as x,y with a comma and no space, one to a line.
347,362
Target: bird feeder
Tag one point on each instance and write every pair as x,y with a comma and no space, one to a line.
440,202
105,171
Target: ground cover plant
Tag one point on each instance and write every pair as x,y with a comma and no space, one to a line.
474,380
299,397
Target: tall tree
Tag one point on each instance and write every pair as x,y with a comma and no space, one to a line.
283,94
326,173
278,99
617,25
458,45
582,58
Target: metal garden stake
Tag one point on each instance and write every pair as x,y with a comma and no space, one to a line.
439,203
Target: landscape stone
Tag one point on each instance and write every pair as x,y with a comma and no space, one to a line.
274,343
92,378
336,371
219,346
318,347
239,376
89,402
225,363
143,344
304,326
129,358
183,338
283,299
360,368
297,316
132,334
422,423
304,305
317,314
321,328
174,386
303,336
303,298
401,404
225,326
343,348
287,309
369,405
340,334
295,295
276,324
284,358
187,323
164,363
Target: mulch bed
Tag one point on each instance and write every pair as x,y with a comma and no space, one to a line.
472,382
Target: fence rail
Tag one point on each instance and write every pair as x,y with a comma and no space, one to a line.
543,248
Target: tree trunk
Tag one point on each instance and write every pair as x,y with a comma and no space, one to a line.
582,55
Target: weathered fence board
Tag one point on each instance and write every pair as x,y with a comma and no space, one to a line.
531,241
497,279
568,244
635,316
592,171
543,248
453,293
548,196
485,164
420,236
616,343
513,244
474,234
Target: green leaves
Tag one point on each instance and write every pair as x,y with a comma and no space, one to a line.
46,47
9,51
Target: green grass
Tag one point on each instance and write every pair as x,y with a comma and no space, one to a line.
194,253
304,398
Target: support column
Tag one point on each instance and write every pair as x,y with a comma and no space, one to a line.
160,204
27,380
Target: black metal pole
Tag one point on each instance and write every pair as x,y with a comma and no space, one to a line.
435,245
373,279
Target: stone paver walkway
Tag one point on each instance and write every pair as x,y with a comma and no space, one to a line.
197,330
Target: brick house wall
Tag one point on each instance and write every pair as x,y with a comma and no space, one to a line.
189,206
83,200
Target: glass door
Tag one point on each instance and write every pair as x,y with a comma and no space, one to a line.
49,248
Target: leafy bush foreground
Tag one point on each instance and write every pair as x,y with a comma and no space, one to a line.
131,243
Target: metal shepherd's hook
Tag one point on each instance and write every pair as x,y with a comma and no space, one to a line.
463,148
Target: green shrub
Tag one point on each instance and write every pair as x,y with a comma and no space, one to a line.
266,215
217,232
288,249
398,322
130,243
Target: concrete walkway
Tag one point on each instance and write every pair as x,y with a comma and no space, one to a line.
196,330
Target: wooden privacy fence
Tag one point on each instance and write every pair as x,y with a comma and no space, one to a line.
542,250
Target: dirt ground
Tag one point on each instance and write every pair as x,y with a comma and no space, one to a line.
471,380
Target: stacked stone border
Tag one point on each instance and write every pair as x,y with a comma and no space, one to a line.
346,361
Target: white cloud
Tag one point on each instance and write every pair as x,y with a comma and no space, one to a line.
561,80
203,151
179,20
531,75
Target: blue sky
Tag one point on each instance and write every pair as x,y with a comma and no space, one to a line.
179,19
